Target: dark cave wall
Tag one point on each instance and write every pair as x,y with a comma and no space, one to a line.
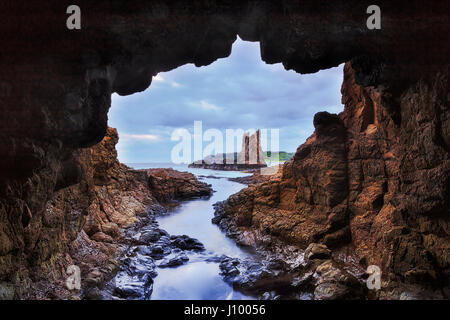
56,84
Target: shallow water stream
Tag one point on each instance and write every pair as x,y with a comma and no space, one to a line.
199,278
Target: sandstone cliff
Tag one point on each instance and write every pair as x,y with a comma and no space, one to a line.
84,224
365,181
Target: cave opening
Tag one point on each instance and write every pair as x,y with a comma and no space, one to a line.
240,92
64,193
258,103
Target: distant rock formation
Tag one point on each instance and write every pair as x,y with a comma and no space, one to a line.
251,149
250,158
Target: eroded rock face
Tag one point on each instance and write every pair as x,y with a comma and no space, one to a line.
56,84
399,176
82,223
366,180
169,184
307,202
86,224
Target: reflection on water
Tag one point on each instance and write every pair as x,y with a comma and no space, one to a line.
198,279
194,219
194,281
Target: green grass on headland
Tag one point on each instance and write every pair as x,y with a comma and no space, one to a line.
282,156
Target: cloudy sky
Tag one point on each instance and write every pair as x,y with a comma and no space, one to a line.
238,92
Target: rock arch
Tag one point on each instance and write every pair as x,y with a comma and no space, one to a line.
56,87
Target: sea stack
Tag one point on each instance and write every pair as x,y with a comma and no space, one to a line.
251,156
251,153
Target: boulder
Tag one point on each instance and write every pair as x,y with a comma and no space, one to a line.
317,251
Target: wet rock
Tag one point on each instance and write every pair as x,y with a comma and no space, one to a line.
93,294
331,291
165,240
228,268
270,296
156,251
303,282
255,178
216,258
208,177
135,280
150,236
133,287
419,294
224,221
243,274
95,278
139,265
144,250
157,210
178,260
277,265
184,242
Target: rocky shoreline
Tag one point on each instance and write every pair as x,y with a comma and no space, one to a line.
118,203
347,188
228,167
148,247
255,178
286,271
346,191
121,244
289,272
